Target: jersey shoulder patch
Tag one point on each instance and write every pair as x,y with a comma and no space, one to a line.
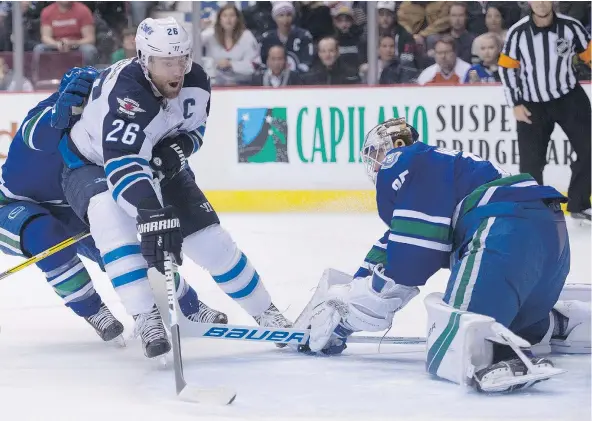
197,78
131,97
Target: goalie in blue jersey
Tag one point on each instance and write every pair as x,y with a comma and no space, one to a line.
505,241
34,213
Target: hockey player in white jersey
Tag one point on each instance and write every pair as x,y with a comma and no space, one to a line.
153,110
505,242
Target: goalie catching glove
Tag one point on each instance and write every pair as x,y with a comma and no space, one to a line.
160,232
364,304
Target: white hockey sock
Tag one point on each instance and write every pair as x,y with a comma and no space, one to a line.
115,235
213,249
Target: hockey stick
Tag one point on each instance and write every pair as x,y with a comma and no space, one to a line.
291,336
219,396
44,254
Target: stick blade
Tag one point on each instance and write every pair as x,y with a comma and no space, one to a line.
214,396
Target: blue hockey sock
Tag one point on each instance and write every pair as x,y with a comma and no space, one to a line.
64,271
186,296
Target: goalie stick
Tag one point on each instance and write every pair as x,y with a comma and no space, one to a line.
187,392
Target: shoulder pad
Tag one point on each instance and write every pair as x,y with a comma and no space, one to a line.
197,78
131,96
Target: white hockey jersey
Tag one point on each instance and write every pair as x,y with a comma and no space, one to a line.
125,118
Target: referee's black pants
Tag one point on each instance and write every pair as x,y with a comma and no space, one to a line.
573,114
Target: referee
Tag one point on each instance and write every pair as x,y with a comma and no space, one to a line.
536,67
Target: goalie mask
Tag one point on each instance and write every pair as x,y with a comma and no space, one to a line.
393,133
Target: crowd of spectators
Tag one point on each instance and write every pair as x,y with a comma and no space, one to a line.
288,43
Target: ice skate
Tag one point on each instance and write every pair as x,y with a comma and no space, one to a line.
105,324
511,375
583,217
150,328
206,314
273,318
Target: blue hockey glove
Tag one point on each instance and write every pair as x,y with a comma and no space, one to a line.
160,231
169,156
67,109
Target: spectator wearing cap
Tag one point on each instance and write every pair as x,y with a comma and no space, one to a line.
277,73
406,51
347,35
486,71
66,26
330,70
463,39
448,69
233,48
296,41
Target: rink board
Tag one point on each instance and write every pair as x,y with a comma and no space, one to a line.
278,150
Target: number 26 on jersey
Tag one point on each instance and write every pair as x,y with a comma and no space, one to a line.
126,132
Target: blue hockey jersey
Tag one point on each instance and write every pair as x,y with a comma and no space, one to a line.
423,193
299,48
33,173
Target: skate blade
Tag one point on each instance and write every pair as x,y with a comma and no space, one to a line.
214,396
118,341
503,384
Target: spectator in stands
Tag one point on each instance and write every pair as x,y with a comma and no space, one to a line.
233,48
258,18
494,22
7,82
315,16
424,18
392,69
330,70
490,45
448,69
477,14
463,39
406,50
347,34
31,12
277,73
297,41
66,26
128,46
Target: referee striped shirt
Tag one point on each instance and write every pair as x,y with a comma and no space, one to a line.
536,64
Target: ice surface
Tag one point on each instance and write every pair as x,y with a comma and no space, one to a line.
54,367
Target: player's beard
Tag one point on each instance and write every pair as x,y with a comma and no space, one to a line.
170,92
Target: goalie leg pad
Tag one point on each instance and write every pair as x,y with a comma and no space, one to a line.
460,344
575,337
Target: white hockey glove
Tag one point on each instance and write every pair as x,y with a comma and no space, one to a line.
365,304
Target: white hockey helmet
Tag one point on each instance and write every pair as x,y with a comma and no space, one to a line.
162,38
393,133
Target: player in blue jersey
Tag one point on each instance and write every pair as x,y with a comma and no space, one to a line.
34,214
152,110
505,242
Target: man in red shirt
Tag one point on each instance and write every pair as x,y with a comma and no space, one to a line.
65,26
